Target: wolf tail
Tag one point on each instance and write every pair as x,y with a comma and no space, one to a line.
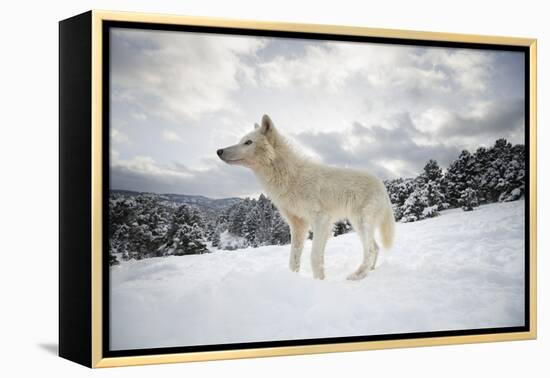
387,227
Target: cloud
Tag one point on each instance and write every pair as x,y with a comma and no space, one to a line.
146,165
118,136
328,65
171,136
331,65
493,118
179,74
386,152
469,70
218,181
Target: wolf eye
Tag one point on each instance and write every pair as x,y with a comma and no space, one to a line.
248,142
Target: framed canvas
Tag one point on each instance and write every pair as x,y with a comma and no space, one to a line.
235,189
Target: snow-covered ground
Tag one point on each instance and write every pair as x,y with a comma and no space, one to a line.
461,270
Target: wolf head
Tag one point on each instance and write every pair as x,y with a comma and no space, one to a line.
255,149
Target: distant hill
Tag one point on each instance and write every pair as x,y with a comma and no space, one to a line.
208,204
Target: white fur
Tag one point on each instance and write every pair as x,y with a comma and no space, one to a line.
312,195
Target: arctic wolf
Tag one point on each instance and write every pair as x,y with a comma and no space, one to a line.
312,195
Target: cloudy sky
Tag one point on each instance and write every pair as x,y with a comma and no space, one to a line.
176,97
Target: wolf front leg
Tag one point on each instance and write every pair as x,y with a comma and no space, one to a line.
298,231
321,231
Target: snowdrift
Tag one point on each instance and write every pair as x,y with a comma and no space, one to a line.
461,270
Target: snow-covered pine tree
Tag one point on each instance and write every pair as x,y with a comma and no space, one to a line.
113,260
149,226
514,174
198,231
399,190
341,227
237,217
210,228
186,234
159,223
266,212
431,172
257,221
483,158
218,230
119,218
120,241
459,176
434,195
280,233
426,196
468,199
413,208
501,170
251,225
140,239
220,225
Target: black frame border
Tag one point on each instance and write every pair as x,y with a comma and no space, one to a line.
75,188
107,25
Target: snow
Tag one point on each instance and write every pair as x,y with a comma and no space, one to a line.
430,211
460,270
231,242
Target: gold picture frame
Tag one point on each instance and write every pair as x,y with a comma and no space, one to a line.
89,330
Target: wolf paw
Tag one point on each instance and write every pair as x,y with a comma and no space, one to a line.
294,266
319,275
356,276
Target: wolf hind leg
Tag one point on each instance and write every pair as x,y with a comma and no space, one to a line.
366,234
374,252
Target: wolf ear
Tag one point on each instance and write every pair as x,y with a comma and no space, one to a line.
256,126
267,124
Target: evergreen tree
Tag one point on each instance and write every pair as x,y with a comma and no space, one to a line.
434,195
120,241
186,234
266,212
341,227
113,260
468,199
399,191
483,157
237,217
218,230
459,176
414,206
280,231
257,221
432,172
251,226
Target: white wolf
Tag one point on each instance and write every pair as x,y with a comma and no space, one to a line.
313,195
